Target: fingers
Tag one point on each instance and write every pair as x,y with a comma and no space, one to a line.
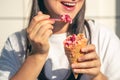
89,63
88,48
39,17
91,67
39,32
89,56
39,25
47,34
44,32
90,53
41,28
90,71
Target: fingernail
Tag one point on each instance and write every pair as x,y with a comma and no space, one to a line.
72,65
39,12
74,70
80,59
84,50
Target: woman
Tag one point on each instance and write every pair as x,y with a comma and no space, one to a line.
38,52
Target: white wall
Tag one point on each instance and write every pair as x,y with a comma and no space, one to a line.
11,18
106,12
14,15
102,11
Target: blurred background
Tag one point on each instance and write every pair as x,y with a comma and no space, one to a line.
14,15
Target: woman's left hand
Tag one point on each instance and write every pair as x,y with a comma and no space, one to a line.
89,63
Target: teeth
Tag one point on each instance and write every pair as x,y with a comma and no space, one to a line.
69,4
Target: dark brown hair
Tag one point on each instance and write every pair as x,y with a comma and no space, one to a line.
78,25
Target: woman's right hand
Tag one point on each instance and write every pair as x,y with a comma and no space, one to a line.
39,31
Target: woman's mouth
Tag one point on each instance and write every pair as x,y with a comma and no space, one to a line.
69,5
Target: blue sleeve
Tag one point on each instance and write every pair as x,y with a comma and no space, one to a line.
9,61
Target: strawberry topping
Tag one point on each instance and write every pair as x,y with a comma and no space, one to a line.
66,18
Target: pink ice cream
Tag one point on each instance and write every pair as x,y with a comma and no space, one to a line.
66,18
73,40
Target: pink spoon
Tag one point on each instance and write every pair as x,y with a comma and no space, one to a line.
65,18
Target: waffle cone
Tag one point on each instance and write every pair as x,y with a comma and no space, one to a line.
73,52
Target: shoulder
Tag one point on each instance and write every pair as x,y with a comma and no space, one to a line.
101,31
99,28
108,48
105,40
15,46
13,54
17,40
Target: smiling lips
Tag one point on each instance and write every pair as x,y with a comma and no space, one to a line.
69,5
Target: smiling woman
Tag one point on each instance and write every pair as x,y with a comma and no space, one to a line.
39,50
